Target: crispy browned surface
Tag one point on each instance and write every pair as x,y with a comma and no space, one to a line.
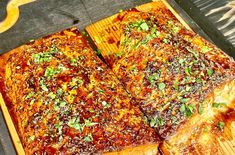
63,99
202,134
171,72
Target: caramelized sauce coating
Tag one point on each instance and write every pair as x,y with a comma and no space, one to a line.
168,69
64,100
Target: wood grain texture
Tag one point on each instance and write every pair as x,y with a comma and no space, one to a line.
11,127
106,32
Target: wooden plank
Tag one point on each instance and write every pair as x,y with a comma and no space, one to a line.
106,36
106,32
11,127
103,33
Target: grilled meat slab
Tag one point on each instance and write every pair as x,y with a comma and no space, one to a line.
172,73
64,100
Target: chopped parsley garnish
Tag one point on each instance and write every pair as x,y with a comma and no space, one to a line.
153,30
176,29
105,104
84,33
152,78
187,88
121,10
182,108
119,53
43,86
205,49
73,62
31,94
188,110
182,61
59,91
134,70
74,123
161,86
145,40
166,41
138,25
62,103
209,72
221,124
61,67
193,51
75,82
32,102
52,95
156,122
101,91
175,121
59,126
44,56
91,110
53,49
176,85
218,105
144,26
31,138
183,100
187,71
200,111
89,123
88,138
50,72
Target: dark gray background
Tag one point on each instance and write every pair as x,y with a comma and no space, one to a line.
198,10
44,17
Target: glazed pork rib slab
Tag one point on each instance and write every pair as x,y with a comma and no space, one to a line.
171,72
63,99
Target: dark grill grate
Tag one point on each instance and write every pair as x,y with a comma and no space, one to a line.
221,13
